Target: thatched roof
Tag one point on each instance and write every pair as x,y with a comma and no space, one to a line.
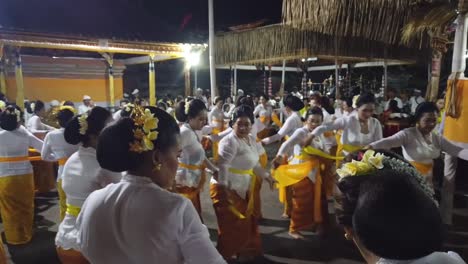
275,43
379,20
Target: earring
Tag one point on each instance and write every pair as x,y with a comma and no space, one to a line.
157,167
348,237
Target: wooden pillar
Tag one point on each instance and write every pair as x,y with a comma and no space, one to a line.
283,76
19,80
110,73
3,87
187,79
152,81
234,92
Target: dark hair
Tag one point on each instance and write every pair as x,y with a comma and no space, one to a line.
365,98
314,111
113,151
293,102
242,111
195,107
395,219
68,103
96,120
38,106
162,105
325,102
245,100
126,101
264,96
8,118
217,99
390,214
349,101
64,116
393,106
425,107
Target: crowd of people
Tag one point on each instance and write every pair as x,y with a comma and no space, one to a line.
129,181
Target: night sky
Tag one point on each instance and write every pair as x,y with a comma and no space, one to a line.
163,20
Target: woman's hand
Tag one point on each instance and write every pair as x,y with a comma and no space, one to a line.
278,161
271,181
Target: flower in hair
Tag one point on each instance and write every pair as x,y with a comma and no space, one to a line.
83,122
187,106
2,105
145,130
67,107
16,112
32,106
369,163
129,107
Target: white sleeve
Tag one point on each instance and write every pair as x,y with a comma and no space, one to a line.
288,146
194,239
35,142
227,151
206,130
46,152
210,117
284,130
338,124
395,141
106,177
220,135
452,149
257,110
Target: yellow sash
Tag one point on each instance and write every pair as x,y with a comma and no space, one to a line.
62,161
351,148
191,167
73,210
250,203
317,152
276,120
290,174
14,159
424,168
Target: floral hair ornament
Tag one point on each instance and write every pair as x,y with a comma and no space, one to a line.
14,111
187,106
2,105
370,162
145,130
83,122
32,106
67,107
129,107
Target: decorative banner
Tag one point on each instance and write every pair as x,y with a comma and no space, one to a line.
270,85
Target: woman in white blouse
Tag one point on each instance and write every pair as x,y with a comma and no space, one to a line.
16,177
216,121
232,191
421,144
81,176
292,106
138,220
55,148
34,123
359,129
190,177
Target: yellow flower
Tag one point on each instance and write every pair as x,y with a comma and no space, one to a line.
150,124
82,121
138,133
2,105
67,107
153,135
148,144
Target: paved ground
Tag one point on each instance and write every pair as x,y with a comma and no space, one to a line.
278,246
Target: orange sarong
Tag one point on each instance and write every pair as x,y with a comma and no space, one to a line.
193,193
17,207
3,258
425,169
236,235
44,173
303,213
71,256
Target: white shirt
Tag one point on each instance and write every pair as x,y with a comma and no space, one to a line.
55,147
416,148
292,123
192,154
116,116
83,109
35,125
81,176
398,100
136,221
216,118
261,110
434,258
351,127
235,153
16,143
415,101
